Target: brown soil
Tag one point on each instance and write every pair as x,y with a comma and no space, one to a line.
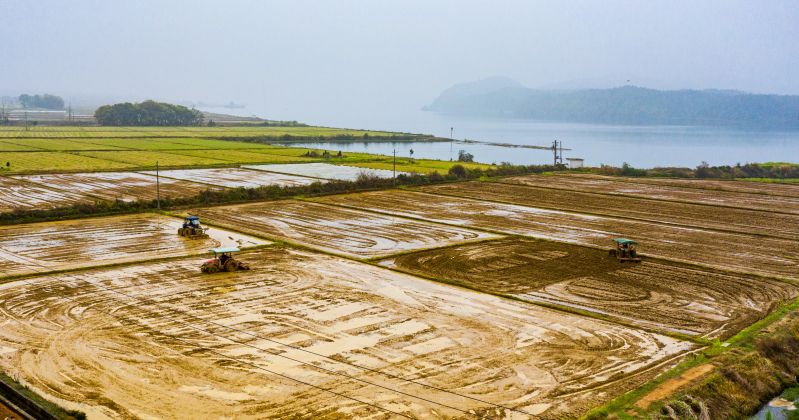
167,350
652,294
696,215
7,414
735,252
38,247
667,388
753,187
16,194
333,229
628,187
126,186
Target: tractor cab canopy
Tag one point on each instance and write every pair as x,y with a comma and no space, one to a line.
223,250
192,218
624,241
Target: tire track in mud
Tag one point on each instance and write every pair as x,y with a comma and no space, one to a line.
86,242
654,294
738,252
661,192
726,219
339,303
126,186
15,195
336,230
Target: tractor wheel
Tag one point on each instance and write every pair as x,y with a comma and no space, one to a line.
211,269
231,266
181,232
612,252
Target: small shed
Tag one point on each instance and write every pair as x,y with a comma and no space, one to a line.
575,163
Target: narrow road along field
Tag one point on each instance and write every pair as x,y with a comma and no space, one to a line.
731,251
662,191
155,338
126,186
695,215
50,246
333,229
653,294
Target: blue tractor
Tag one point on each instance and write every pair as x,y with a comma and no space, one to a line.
191,228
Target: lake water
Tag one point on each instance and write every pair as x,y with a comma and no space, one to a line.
640,146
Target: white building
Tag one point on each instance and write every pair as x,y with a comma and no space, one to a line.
575,163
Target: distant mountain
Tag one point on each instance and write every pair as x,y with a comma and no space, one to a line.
627,105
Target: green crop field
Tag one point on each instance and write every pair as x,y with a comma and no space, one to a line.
202,132
61,145
147,159
56,161
10,147
243,156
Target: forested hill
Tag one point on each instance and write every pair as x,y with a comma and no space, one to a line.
628,105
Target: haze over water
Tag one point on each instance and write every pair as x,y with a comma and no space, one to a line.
640,146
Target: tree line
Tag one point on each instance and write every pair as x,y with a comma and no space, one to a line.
45,101
147,113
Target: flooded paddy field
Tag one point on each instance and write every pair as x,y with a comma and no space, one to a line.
743,186
337,230
51,246
126,186
234,177
731,251
679,213
758,200
156,338
653,294
324,170
19,195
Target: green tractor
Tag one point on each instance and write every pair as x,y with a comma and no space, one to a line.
625,250
192,229
223,261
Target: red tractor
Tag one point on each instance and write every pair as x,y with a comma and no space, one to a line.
223,261
625,250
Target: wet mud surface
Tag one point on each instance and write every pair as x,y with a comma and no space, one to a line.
234,177
160,339
18,195
51,246
732,251
336,230
652,294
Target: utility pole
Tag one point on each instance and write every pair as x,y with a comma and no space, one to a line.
157,186
395,166
557,151
451,139
26,120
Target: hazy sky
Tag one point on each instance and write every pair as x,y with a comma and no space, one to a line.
296,58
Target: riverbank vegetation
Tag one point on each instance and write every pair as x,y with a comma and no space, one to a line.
773,171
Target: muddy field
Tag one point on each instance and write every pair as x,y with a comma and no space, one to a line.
653,294
18,195
324,170
732,251
50,246
234,177
333,229
753,187
161,339
662,191
126,186
678,213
